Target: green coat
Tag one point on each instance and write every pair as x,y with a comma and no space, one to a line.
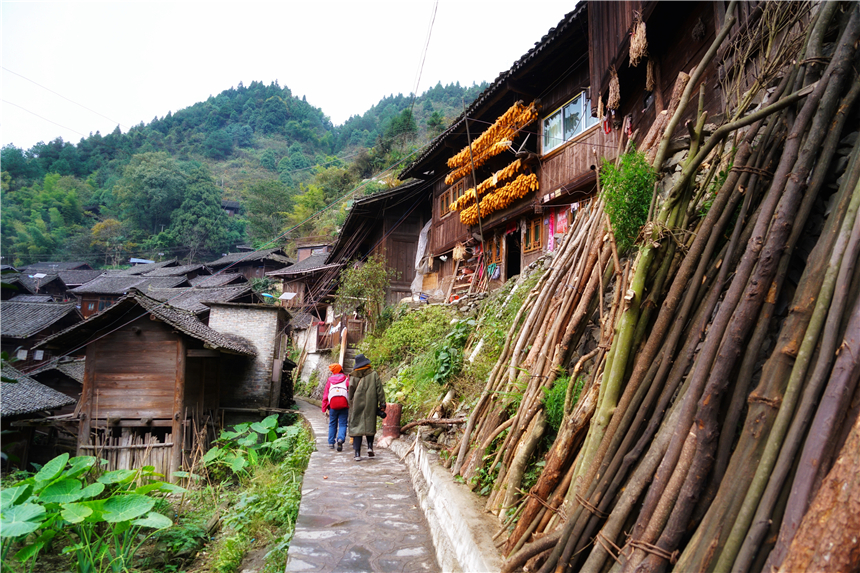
365,395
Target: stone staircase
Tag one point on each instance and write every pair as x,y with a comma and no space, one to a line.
349,359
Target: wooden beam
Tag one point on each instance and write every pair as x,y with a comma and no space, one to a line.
202,353
521,88
135,447
178,408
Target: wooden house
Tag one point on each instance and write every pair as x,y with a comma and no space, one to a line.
308,246
153,381
188,271
254,264
387,223
65,375
218,279
23,399
100,293
54,267
23,324
306,283
533,141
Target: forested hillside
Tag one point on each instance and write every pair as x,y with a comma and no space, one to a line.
156,191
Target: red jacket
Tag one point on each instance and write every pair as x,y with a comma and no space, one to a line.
337,402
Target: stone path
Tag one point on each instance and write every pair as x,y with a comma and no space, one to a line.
358,516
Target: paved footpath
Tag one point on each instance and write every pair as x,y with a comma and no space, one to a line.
357,516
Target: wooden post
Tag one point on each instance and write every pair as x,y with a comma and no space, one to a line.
87,399
178,409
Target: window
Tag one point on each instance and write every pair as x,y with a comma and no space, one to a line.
567,122
533,235
450,195
494,250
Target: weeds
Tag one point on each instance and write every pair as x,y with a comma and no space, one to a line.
627,191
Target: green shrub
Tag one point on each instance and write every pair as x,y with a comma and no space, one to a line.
408,336
627,192
553,402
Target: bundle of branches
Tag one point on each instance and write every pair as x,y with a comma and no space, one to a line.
676,399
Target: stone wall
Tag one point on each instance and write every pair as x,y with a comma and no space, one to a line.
248,384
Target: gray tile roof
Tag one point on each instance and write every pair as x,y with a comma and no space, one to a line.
24,319
71,367
300,320
144,268
276,255
310,264
177,271
193,298
26,396
182,320
121,284
53,267
20,283
218,279
32,298
77,277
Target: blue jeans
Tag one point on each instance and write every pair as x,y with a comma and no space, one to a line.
337,420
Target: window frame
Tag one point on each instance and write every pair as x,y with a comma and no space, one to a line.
449,195
534,228
582,126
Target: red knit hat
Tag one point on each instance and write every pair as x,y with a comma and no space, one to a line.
335,368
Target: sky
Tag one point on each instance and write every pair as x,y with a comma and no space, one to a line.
70,69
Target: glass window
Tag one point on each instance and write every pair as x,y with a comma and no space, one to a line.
567,122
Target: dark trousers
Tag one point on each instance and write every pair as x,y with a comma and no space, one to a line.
356,444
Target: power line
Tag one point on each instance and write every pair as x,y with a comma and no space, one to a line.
45,118
64,97
424,55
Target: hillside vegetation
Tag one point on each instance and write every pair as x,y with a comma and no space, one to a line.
156,190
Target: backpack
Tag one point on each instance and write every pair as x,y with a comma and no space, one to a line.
338,395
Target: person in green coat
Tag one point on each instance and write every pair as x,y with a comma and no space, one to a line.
366,395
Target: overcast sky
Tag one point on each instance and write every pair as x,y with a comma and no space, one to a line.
130,62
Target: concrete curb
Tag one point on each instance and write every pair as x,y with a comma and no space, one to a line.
461,531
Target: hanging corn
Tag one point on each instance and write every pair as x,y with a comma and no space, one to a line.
488,184
638,42
649,76
614,100
501,198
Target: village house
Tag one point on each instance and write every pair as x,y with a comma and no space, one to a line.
254,264
159,382
24,323
533,140
157,377
21,399
100,293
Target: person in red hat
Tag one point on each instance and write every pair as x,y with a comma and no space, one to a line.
335,400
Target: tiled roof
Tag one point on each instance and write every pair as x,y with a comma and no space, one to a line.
276,255
182,320
71,367
301,319
53,267
76,277
218,279
121,284
144,268
24,319
310,264
26,396
193,298
177,271
32,298
22,283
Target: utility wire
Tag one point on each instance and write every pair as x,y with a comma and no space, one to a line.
45,118
424,55
64,97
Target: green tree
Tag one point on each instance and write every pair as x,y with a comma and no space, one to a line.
109,237
151,188
435,124
199,224
267,204
362,288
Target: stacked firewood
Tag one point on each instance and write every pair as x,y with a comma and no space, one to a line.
719,393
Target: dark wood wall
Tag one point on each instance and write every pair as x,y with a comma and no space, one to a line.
134,372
